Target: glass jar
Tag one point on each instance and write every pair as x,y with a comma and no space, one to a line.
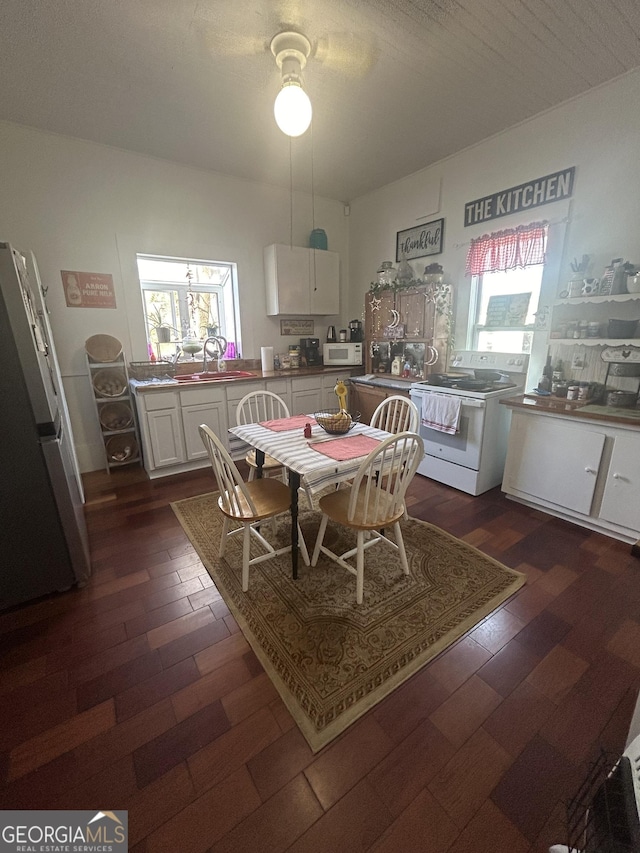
386,274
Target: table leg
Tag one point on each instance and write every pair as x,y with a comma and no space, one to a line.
259,463
294,483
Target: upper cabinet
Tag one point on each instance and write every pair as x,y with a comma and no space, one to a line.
301,281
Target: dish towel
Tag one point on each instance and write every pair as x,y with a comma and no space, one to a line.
441,412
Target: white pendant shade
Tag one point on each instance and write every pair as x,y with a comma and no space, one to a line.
292,109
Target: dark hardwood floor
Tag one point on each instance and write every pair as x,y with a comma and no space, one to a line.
139,692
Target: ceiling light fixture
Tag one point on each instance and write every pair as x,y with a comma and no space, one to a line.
292,108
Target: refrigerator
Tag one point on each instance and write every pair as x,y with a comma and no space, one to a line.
44,545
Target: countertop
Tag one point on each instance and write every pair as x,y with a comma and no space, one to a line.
143,386
577,409
395,383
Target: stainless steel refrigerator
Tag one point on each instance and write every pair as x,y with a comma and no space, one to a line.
43,536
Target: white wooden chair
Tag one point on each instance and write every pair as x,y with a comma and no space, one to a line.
247,503
375,500
396,414
255,407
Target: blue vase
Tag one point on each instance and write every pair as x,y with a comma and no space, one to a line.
318,239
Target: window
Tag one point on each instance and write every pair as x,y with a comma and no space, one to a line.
182,296
508,337
506,269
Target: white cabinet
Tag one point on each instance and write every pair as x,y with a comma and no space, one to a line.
552,460
306,395
585,471
301,281
162,430
202,406
621,498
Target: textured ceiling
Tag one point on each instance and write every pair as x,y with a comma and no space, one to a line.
395,84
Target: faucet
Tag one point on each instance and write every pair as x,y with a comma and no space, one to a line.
220,345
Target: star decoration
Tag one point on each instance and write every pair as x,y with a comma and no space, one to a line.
375,303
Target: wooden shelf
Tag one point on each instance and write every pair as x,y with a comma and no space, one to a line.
598,300
597,342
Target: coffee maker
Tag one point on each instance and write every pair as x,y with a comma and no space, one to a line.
310,352
355,331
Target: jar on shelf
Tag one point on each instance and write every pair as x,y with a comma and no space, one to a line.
386,274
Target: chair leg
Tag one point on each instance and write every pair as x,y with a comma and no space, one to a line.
319,539
223,539
252,473
303,547
360,568
401,550
246,548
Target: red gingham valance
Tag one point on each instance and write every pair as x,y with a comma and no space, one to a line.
506,250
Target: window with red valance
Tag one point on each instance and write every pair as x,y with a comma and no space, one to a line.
507,250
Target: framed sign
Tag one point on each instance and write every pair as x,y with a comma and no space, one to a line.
304,328
420,241
88,289
508,310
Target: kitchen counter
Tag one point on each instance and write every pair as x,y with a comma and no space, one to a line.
576,409
385,380
146,385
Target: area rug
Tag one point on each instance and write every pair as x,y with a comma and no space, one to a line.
330,659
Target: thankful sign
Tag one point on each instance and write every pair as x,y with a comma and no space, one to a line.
535,193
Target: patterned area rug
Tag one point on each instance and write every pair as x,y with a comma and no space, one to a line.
330,659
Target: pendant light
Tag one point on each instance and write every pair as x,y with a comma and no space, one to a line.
292,108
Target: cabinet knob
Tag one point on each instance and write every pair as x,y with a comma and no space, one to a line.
590,470
616,476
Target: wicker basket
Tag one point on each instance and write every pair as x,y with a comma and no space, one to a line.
142,370
110,382
336,421
115,416
122,448
103,348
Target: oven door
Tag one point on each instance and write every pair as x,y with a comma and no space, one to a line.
464,447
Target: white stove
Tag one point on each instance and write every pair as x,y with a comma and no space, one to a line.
471,459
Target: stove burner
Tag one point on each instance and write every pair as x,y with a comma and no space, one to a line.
458,382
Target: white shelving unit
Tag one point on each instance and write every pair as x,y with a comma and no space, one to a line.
116,411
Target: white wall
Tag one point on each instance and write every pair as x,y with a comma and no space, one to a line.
81,206
598,133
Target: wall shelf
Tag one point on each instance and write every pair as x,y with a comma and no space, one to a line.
597,342
598,300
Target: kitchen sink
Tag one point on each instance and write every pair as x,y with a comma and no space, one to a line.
212,376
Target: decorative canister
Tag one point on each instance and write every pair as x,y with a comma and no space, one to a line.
633,283
622,399
593,329
386,273
572,392
318,239
294,357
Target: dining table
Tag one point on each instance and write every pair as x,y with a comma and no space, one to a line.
313,461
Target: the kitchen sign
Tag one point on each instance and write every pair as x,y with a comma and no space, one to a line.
534,193
88,289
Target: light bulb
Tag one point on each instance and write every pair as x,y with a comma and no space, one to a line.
292,109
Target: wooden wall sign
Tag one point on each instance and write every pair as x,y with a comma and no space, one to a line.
296,327
420,241
534,193
88,289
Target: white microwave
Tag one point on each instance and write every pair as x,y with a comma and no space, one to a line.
341,353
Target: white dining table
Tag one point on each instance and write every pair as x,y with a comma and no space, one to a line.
304,464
